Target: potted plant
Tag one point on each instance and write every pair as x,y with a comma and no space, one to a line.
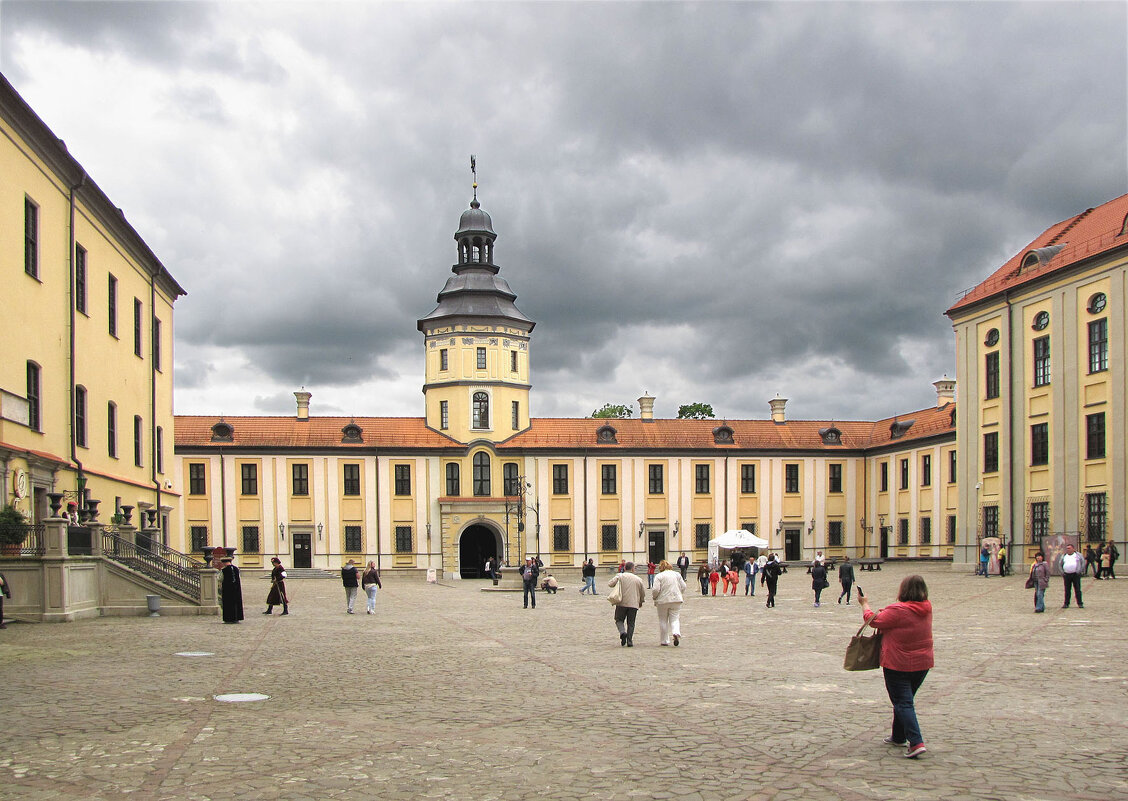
13,530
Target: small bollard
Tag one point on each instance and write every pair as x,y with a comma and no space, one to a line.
154,602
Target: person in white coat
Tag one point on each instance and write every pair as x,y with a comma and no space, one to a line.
667,594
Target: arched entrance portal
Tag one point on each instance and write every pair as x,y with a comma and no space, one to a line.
477,544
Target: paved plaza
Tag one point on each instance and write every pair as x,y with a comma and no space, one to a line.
450,692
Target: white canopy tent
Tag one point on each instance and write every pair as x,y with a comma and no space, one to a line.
735,539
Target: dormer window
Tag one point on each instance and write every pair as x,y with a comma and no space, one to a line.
352,433
1124,227
222,432
1039,257
830,436
722,435
952,419
899,428
606,435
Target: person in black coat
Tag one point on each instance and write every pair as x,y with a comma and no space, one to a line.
350,578
231,592
846,578
529,574
588,572
772,571
5,592
277,594
683,565
818,581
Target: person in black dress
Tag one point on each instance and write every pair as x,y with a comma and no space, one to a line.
277,594
231,592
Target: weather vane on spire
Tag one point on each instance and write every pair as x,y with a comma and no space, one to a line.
474,169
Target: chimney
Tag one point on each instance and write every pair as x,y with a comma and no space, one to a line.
646,408
945,391
303,404
777,403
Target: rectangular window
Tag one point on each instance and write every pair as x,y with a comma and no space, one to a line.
250,539
991,452
511,482
112,302
444,360
444,415
80,416
199,535
138,440
403,539
990,521
952,466
33,415
560,479
657,479
516,415
111,430
791,478
884,471
749,527
248,474
991,374
1039,522
513,361
609,479
903,531
951,529
80,279
834,477
748,479
160,449
453,480
1098,346
1041,361
702,479
137,337
1095,436
702,533
834,533
926,531
561,538
926,470
904,474
351,479
403,479
609,537
197,479
156,344
31,238
352,539
1040,443
300,479
481,358
1096,514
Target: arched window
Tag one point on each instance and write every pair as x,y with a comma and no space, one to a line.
481,410
482,474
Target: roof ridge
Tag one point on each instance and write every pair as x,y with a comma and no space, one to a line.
1056,237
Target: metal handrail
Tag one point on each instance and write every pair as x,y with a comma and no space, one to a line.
34,542
163,565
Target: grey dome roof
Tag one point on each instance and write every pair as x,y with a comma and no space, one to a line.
474,221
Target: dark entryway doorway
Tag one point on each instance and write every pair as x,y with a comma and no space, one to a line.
884,542
657,550
303,549
475,546
792,545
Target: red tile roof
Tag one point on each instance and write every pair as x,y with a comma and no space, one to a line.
316,432
1092,232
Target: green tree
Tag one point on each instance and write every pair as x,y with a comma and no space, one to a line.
617,410
696,411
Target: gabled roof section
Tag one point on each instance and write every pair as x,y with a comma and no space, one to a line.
932,422
1090,233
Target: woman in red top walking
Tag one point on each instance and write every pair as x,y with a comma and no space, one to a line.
906,657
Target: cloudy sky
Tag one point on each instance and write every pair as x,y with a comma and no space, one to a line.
708,202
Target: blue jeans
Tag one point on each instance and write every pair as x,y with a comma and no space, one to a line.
1039,599
749,584
902,687
704,585
649,580
589,584
370,591
530,589
983,569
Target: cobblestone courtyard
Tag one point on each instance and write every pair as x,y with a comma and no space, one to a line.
450,692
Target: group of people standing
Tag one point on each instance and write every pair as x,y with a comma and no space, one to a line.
1102,560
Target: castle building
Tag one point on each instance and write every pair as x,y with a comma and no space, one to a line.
478,476
86,374
1040,362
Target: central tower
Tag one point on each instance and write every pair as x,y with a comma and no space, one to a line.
476,344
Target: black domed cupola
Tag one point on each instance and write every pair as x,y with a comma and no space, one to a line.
475,235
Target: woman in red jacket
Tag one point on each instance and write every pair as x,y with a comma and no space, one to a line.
906,657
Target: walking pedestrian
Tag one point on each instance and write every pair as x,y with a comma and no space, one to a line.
818,581
5,592
1102,562
1040,578
529,574
1113,555
627,609
1071,566
1091,561
750,577
650,568
845,578
703,574
277,594
668,596
906,657
772,571
1002,557
984,559
588,572
715,579
683,565
370,582
231,592
350,578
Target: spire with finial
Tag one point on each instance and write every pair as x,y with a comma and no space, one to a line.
474,169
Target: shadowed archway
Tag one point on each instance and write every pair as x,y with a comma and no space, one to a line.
477,544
